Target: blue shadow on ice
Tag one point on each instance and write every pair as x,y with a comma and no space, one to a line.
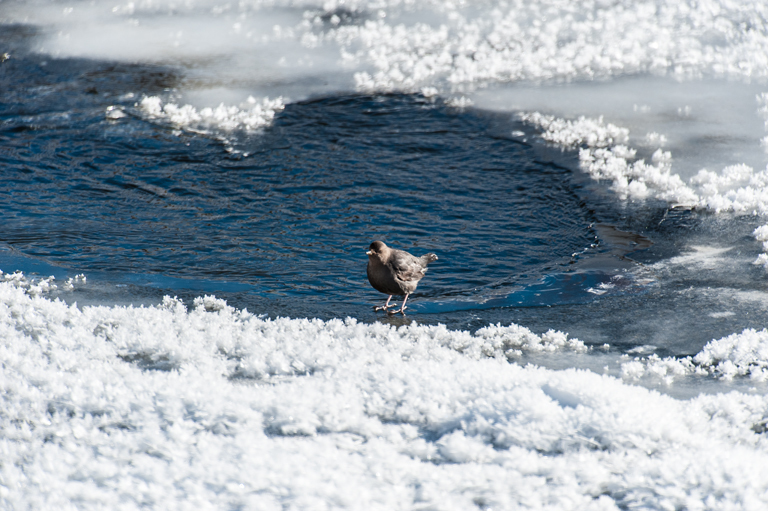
551,290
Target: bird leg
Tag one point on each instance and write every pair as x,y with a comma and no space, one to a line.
402,307
385,306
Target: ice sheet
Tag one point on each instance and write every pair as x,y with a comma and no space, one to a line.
604,155
164,407
704,123
444,47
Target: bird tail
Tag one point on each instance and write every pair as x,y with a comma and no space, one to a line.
428,258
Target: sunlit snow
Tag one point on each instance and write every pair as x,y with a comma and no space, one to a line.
164,407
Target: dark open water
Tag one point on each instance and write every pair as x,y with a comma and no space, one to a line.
145,210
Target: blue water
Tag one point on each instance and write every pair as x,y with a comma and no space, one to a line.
281,225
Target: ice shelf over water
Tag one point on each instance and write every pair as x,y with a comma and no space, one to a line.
604,156
441,47
167,408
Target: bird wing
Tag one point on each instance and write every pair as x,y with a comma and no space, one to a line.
406,267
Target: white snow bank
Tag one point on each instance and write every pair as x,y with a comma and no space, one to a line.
554,40
739,354
167,408
441,46
402,45
604,156
40,286
249,116
761,234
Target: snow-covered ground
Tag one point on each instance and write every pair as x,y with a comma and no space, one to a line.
215,408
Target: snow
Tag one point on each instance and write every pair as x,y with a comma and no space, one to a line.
603,155
737,355
248,116
300,49
210,407
213,407
557,40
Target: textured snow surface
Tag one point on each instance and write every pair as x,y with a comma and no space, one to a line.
761,234
740,354
436,47
215,408
248,116
604,156
556,40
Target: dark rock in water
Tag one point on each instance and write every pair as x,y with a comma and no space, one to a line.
395,272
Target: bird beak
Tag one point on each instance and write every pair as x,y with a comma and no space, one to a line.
370,252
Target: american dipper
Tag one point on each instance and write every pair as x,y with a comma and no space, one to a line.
395,272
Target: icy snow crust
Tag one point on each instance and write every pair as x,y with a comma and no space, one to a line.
604,156
249,115
215,408
743,354
436,47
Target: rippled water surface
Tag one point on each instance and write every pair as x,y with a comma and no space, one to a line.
281,223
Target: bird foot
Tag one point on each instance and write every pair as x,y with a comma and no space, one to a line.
382,308
401,311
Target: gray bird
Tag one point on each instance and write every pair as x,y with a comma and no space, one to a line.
395,272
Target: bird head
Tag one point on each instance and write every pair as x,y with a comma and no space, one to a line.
377,247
